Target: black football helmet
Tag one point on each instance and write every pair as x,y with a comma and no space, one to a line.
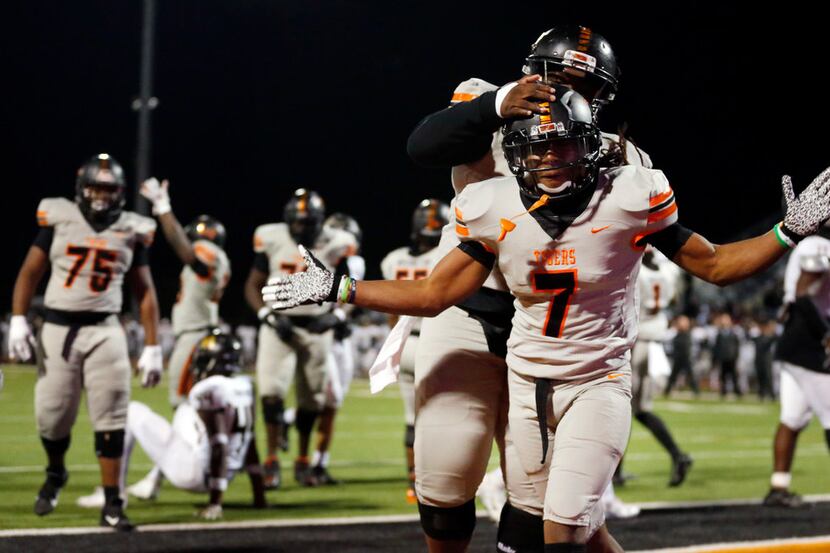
99,189
578,57
427,221
304,214
205,227
568,132
218,353
345,222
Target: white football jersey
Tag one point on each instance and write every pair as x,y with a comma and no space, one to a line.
400,264
812,246
88,267
197,305
576,312
656,290
234,397
276,243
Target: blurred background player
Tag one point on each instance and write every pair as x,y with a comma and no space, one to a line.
297,341
725,353
212,435
203,279
341,364
682,355
91,246
801,354
414,262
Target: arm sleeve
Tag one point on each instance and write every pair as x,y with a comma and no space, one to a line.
669,240
141,254
44,237
477,251
456,135
261,263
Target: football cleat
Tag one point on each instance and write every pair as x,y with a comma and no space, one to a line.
47,497
302,474
148,487
782,498
321,476
272,478
96,499
679,468
492,494
113,516
618,509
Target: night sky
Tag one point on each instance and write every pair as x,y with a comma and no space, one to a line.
260,97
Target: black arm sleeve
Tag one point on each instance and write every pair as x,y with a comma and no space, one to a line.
456,135
808,310
141,255
669,240
477,251
44,237
261,263
200,268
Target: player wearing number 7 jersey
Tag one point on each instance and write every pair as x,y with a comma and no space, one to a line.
569,242
91,245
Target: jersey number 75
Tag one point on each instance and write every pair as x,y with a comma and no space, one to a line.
101,266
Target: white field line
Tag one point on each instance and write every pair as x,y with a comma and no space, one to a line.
737,546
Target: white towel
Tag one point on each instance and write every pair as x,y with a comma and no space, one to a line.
385,369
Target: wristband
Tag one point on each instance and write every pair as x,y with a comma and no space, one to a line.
161,207
218,484
784,237
345,292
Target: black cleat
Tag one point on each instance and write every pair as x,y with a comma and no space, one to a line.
302,474
782,498
113,516
272,479
47,497
680,467
322,477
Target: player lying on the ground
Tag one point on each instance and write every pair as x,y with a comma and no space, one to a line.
212,435
569,241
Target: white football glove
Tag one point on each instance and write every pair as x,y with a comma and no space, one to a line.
21,340
807,212
314,285
150,364
157,194
211,512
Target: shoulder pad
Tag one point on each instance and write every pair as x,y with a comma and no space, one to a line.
143,227
815,263
265,235
340,244
51,211
207,252
476,199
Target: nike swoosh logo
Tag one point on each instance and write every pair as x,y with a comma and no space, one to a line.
112,521
614,375
595,230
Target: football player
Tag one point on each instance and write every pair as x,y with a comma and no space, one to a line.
801,354
569,241
212,434
656,285
299,340
414,262
203,280
341,359
91,246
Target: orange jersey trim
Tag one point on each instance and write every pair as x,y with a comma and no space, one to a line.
462,231
660,215
657,200
463,97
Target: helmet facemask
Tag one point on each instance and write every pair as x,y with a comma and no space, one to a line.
99,190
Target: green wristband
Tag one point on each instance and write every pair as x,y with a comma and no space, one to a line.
783,239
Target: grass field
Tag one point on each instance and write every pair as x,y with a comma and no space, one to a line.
730,442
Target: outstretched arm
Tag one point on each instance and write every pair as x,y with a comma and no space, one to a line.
728,263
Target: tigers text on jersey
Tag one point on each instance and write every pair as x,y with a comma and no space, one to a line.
576,295
234,397
400,264
656,289
88,267
197,306
275,242
812,246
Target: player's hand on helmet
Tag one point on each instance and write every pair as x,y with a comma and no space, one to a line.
150,365
314,285
157,194
280,323
809,210
523,100
211,512
21,341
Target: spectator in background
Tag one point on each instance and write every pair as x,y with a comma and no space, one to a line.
725,353
764,343
682,355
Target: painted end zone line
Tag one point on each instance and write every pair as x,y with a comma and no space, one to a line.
795,545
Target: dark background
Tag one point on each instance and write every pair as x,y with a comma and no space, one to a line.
260,97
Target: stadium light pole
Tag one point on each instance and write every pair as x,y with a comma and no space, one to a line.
144,104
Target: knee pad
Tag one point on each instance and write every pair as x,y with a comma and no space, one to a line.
520,531
109,444
409,436
448,523
273,408
305,420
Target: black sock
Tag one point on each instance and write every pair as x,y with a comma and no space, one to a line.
565,548
111,495
658,428
55,450
827,437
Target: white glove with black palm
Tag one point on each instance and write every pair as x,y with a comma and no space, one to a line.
314,285
21,341
156,192
150,363
806,213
